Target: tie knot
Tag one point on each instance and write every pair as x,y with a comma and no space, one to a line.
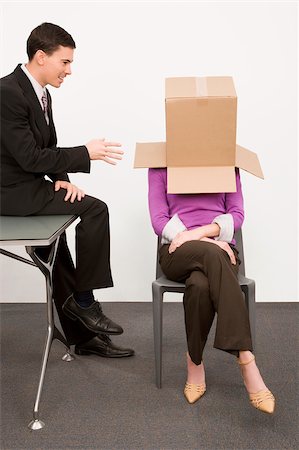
45,102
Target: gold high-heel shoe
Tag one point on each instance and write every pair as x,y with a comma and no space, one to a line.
263,400
194,392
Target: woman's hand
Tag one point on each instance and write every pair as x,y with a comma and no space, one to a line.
196,234
73,192
225,246
181,238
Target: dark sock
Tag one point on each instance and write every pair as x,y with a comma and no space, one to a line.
84,299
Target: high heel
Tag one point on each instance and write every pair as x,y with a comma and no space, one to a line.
262,400
194,392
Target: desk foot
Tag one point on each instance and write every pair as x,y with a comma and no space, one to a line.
68,356
36,424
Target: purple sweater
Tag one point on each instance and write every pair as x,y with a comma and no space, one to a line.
194,210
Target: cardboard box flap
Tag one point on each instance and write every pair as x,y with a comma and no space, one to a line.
195,180
248,160
150,154
196,87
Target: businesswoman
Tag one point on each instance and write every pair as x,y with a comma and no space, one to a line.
198,249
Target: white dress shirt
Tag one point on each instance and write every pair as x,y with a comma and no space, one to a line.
39,90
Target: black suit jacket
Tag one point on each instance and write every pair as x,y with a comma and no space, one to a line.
29,149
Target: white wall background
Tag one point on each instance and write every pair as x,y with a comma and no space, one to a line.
124,52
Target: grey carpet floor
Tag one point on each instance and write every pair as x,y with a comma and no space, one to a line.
99,403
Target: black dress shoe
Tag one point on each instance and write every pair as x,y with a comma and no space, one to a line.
103,346
92,317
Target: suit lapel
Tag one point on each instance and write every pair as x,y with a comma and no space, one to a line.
31,96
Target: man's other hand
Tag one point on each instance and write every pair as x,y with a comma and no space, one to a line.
72,191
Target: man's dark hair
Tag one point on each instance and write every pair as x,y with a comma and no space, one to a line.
48,37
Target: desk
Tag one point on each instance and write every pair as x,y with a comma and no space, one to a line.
33,232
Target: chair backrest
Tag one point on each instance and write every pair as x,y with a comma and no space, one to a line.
239,244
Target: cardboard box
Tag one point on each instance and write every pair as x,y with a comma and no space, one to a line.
201,115
198,179
200,152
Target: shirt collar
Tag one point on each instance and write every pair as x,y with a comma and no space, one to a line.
39,90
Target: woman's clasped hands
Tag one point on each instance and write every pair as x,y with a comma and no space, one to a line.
192,235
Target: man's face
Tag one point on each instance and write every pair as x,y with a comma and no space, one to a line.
56,67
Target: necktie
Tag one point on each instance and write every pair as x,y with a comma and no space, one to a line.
45,106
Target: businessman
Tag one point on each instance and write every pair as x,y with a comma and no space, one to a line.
34,181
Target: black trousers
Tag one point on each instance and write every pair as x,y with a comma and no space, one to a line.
211,287
92,270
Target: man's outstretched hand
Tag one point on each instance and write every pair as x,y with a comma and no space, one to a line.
99,149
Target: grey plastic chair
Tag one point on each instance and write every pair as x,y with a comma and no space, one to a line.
162,284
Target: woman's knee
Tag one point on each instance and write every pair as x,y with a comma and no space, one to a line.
198,283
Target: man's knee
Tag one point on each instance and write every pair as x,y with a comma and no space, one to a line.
96,206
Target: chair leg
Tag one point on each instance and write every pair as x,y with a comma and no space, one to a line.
36,423
46,268
157,323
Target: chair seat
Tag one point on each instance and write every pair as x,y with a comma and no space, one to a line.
180,287
174,285
244,281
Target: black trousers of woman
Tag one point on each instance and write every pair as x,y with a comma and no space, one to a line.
92,269
211,287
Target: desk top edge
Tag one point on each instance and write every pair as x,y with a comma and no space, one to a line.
33,230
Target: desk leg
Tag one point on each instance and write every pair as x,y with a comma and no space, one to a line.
52,332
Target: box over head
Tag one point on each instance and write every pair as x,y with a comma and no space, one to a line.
200,179
200,152
200,121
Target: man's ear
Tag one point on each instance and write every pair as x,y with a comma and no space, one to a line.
40,57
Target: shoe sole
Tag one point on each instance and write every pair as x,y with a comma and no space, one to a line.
87,352
73,317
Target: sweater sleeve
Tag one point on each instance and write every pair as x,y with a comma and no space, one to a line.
234,203
226,224
157,199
